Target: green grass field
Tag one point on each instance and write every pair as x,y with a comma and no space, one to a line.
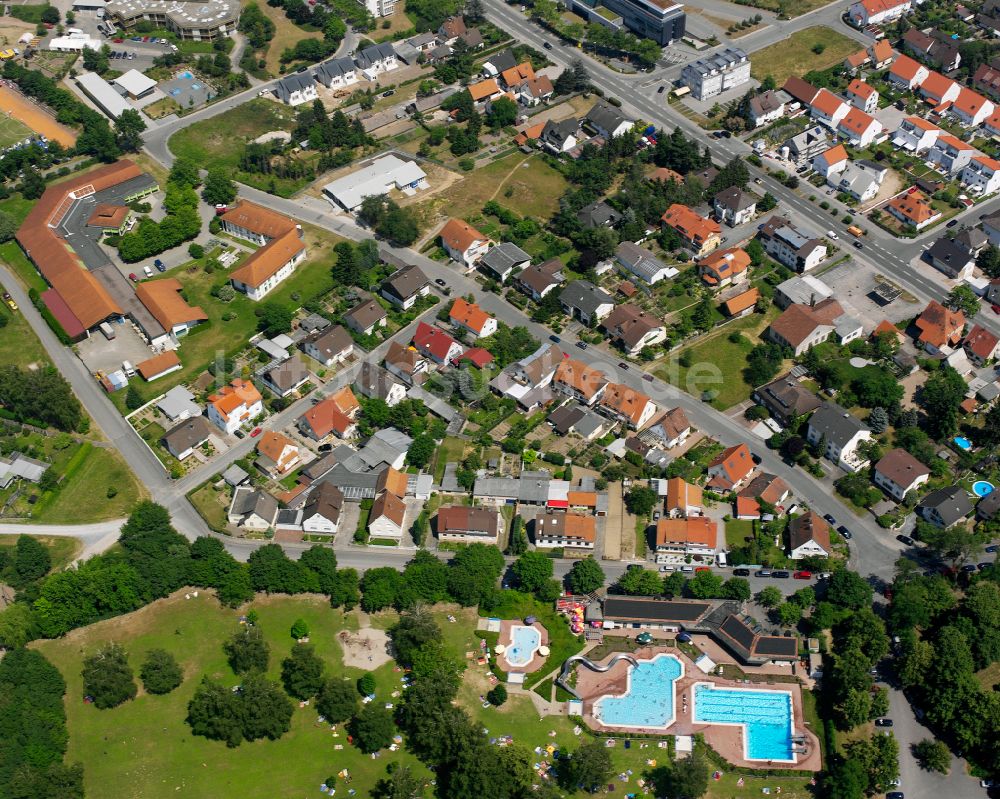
83,497
18,343
12,131
795,56
61,550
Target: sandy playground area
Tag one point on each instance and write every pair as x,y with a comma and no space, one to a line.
16,105
367,649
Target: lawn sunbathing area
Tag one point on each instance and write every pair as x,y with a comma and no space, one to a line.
286,34
796,54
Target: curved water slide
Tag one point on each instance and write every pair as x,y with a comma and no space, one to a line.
585,661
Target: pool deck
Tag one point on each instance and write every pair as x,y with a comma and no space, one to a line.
507,639
726,740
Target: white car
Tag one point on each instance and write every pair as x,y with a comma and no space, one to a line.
831,234
147,271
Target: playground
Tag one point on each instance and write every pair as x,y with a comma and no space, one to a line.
31,117
367,648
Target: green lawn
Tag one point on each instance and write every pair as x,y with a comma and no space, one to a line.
209,503
795,56
83,497
12,256
12,131
737,531
451,449
61,550
18,343
217,142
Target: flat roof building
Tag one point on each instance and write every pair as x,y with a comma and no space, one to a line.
379,177
103,94
199,20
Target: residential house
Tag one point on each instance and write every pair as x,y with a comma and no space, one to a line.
517,74
946,507
451,29
734,206
579,381
163,300
501,261
560,137
334,415
598,214
182,440
831,162
470,317
158,366
234,405
608,121
335,73
277,454
730,469
940,328
862,96
803,147
330,346
859,128
496,63
808,536
178,404
297,88
801,327
766,488
538,281
683,498
366,317
982,175
971,108
403,287
724,267
717,73
987,79
937,89
463,242
743,304
625,404
800,91
385,520
950,153
633,329
794,247
877,12
701,235
841,433
536,91
828,109
973,239
528,381
406,363
376,59
641,263
583,300
252,509
286,378
913,209
981,345
435,344
565,529
860,179
694,537
668,430
375,382
907,73
282,248
786,399
467,525
767,107
991,227
898,473
936,49
321,513
881,54
916,135
950,257
485,91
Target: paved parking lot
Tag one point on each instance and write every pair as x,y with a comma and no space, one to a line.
852,284
99,354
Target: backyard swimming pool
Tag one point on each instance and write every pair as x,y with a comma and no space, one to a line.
526,641
962,443
982,487
766,717
649,699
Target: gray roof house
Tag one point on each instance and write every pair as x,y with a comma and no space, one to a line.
328,346
19,465
734,206
402,287
537,281
598,214
375,382
377,56
945,507
286,377
386,446
499,62
642,264
297,88
336,72
252,509
786,398
503,260
182,439
560,136
366,316
587,302
842,432
178,404
607,120
951,257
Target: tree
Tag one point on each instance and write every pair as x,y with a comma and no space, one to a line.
932,755
588,767
184,172
736,588
133,399
337,700
274,317
941,397
247,650
879,757
763,362
107,677
878,420
503,112
640,582
497,695
299,629
640,500
963,298
532,570
585,576
789,614
373,728
685,779
845,780
988,260
415,629
160,672
421,450
302,672
128,129
31,560
219,189
366,684
266,711
849,590
705,585
8,227
399,782
380,588
215,712
769,597
877,388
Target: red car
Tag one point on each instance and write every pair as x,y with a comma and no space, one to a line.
995,309
802,575
133,276
256,432
702,569
117,40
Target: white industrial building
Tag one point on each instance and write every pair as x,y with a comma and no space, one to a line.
716,74
377,178
74,43
103,94
135,84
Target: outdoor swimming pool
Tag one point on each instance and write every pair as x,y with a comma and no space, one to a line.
526,641
766,717
962,443
649,699
982,487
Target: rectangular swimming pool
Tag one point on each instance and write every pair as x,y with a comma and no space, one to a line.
766,718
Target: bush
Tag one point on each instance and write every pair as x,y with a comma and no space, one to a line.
107,677
196,250
366,684
497,695
160,672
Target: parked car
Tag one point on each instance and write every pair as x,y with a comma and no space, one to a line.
905,539
10,301
687,568
859,245
762,573
133,276
622,365
829,518
660,90
741,572
802,575
952,223
388,92
832,234
702,569
969,567
656,515
883,722
845,532
582,345
983,565
992,548
895,795
547,45
555,339
781,575
256,432
440,281
995,309
648,378
162,267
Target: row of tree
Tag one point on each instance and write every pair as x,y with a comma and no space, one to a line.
41,397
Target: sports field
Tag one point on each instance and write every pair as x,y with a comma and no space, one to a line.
17,108
11,131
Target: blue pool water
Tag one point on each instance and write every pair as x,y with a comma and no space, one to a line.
766,717
982,487
962,443
526,641
649,701
187,75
